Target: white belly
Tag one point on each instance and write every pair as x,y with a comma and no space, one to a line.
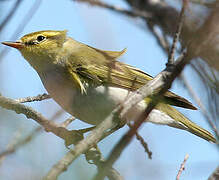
94,106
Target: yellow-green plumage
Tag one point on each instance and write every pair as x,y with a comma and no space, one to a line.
76,75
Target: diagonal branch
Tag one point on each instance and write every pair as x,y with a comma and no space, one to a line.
162,83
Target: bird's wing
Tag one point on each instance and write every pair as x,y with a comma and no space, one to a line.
107,70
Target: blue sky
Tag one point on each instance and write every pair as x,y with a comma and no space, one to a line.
104,30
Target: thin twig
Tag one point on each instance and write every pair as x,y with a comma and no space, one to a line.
28,16
10,14
143,143
161,40
20,143
176,35
11,144
182,167
39,97
133,13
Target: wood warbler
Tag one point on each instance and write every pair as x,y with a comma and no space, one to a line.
89,83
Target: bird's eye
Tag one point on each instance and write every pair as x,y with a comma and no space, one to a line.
40,38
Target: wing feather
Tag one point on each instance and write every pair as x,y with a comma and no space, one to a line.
107,70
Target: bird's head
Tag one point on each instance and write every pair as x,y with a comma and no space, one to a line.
38,46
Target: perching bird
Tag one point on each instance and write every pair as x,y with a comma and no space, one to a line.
89,83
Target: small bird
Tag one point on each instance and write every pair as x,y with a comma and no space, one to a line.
89,83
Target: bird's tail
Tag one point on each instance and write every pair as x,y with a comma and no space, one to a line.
183,122
199,131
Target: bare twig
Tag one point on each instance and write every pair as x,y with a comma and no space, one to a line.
143,143
182,167
133,13
204,3
11,144
39,97
10,14
176,35
161,40
69,136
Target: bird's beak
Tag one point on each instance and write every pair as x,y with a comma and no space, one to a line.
17,44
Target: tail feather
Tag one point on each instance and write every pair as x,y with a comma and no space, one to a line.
198,131
182,122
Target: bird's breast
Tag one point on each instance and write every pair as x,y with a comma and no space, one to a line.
91,107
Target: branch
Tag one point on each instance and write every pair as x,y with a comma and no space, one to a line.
215,174
92,154
164,80
70,137
182,167
39,97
